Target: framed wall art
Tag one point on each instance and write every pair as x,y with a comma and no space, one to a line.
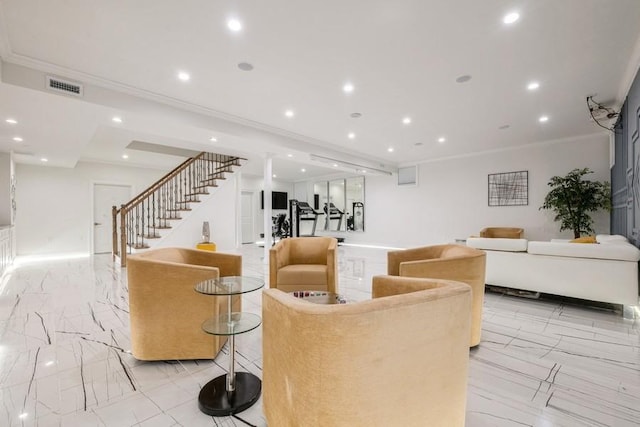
509,189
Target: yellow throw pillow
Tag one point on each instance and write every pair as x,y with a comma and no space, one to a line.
585,239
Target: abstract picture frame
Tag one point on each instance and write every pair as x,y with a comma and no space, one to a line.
508,188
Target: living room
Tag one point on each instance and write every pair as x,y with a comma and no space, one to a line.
459,133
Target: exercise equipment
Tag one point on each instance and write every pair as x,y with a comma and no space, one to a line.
301,212
357,219
332,212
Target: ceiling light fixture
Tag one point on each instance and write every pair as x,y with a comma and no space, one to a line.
441,139
406,120
289,155
504,127
245,66
303,170
274,176
335,165
463,79
17,139
348,88
351,135
418,144
543,119
44,159
289,113
234,25
184,76
510,18
533,86
11,121
355,115
390,149
213,139
117,119
125,156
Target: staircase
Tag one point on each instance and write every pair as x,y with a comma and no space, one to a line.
158,207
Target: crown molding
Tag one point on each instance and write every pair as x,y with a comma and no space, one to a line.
633,66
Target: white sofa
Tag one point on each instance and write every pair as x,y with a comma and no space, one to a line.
606,271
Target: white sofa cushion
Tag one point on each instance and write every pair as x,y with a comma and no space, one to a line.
619,251
611,238
498,244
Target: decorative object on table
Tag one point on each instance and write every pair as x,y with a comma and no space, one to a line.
399,359
448,262
165,313
206,235
509,189
572,198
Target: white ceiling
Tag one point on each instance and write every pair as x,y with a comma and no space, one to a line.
403,58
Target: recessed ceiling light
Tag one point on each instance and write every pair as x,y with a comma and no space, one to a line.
125,156
463,79
511,17
390,149
245,66
418,144
44,159
117,119
303,170
406,120
17,139
533,86
503,127
441,139
274,176
234,25
289,113
351,135
49,363
23,415
213,139
184,76
289,155
11,121
355,115
335,165
543,119
347,88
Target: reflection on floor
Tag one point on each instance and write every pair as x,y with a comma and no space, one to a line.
64,357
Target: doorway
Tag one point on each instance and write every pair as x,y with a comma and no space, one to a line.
104,197
246,209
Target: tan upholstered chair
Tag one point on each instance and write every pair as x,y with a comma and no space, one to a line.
400,359
450,262
304,263
166,312
502,232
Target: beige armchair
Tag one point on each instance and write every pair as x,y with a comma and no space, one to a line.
400,359
165,311
450,262
304,263
502,232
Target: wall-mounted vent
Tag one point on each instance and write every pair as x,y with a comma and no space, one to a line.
64,86
408,175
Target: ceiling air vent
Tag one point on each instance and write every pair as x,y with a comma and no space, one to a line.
65,86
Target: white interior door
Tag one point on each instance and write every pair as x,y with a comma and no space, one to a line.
246,208
104,197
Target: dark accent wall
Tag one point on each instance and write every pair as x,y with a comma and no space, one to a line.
625,174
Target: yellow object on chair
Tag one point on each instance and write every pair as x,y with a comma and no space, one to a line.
210,246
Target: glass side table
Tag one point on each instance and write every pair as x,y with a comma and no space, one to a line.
235,391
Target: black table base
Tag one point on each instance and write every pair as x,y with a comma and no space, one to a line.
215,400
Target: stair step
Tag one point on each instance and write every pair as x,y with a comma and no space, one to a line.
186,202
197,194
151,236
165,218
179,210
217,175
163,227
205,186
139,246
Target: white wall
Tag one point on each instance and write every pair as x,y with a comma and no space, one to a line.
54,205
6,172
255,185
450,200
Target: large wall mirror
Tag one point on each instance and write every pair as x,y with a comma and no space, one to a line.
340,203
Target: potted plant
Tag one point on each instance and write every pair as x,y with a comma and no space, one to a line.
572,198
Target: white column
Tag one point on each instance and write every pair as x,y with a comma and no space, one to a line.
268,176
238,188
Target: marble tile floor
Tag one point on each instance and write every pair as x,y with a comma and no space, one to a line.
64,358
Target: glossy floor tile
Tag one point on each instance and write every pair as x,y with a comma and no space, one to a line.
65,361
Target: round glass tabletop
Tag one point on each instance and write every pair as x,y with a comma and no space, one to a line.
230,285
237,323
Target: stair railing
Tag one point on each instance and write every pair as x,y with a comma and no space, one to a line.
159,205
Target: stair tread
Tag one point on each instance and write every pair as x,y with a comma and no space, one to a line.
139,246
198,193
164,218
205,186
179,210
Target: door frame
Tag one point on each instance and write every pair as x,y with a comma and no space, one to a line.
92,186
252,195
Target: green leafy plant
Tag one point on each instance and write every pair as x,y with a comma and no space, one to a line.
572,198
